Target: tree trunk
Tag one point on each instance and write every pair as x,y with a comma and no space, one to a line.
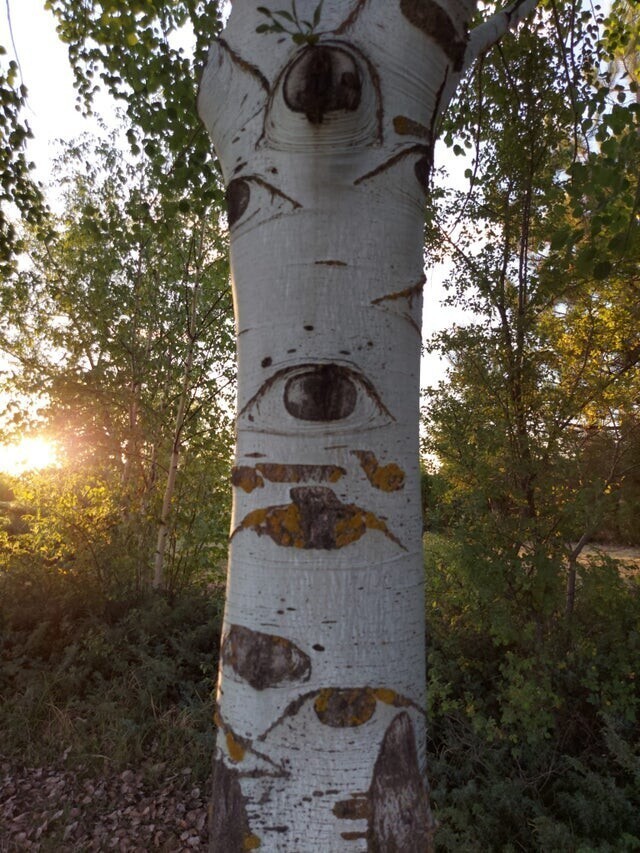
158,581
325,147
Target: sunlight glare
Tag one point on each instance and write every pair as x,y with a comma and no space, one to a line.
29,454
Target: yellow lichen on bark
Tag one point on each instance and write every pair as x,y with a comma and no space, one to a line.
345,708
387,478
235,749
246,478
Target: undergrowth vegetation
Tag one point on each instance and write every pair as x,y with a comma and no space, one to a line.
533,734
106,682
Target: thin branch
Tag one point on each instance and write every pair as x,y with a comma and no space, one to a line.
491,31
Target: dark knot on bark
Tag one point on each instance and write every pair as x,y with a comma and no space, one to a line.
321,80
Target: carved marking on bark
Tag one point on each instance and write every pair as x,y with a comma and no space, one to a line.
331,263
238,194
317,381
401,820
345,708
351,18
400,155
316,519
381,694
245,65
228,822
324,393
408,296
322,79
246,478
277,473
435,22
274,191
405,126
387,478
408,293
264,660
233,740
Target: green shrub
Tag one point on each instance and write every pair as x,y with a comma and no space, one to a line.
534,734
126,680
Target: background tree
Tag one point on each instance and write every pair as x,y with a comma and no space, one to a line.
122,326
551,358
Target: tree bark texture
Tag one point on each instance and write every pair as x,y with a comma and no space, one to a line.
326,149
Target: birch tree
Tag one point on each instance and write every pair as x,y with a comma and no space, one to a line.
324,117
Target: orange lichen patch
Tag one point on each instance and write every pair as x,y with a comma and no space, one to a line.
387,478
279,473
281,523
406,126
316,519
235,749
345,708
357,523
251,842
390,697
246,478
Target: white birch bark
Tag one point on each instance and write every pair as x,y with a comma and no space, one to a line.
325,151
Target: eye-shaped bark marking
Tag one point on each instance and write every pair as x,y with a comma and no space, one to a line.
387,478
264,660
323,396
315,519
435,22
401,820
323,393
238,195
228,820
345,708
321,80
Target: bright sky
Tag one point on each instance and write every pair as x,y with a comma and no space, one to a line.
52,115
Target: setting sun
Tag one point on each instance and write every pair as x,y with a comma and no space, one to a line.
29,454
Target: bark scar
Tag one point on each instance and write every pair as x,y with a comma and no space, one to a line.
436,23
409,295
249,478
316,519
245,65
350,20
263,660
425,150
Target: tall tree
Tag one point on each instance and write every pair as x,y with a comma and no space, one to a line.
549,365
122,324
325,136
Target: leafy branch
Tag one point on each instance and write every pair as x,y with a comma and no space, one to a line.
301,31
